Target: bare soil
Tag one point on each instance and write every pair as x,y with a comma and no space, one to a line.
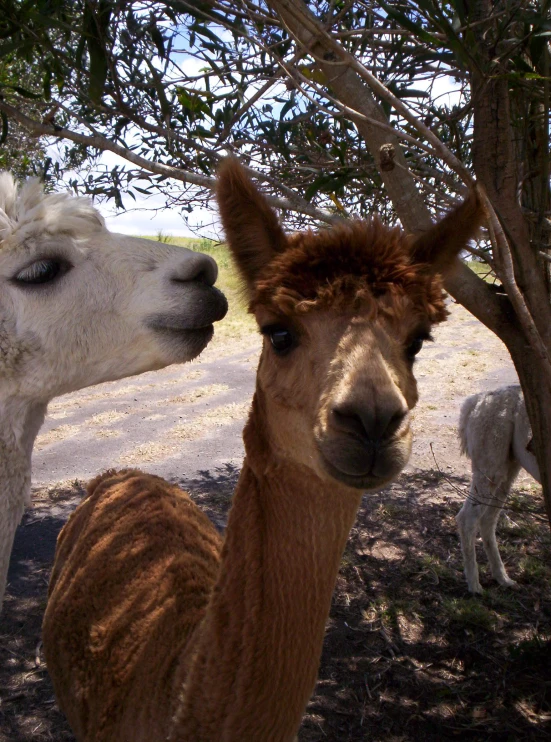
408,654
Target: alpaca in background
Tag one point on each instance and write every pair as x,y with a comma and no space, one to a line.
495,434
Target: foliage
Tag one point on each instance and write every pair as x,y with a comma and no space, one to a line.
181,83
19,153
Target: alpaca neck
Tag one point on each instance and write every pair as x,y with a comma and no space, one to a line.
19,426
257,652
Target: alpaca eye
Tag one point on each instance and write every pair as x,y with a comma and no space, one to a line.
281,339
42,271
415,346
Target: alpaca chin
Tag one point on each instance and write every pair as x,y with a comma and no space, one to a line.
181,346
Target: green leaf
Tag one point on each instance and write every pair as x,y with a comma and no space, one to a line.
312,73
23,92
201,30
409,25
98,71
287,107
47,84
411,93
158,40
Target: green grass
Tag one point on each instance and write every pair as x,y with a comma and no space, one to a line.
238,322
469,613
433,565
482,270
389,510
387,611
535,570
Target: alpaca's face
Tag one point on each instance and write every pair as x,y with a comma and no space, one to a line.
342,385
73,314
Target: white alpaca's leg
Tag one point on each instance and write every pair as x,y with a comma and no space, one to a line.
488,524
467,524
10,516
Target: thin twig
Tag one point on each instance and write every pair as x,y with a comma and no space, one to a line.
35,128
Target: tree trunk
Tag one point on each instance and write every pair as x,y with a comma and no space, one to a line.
351,90
499,162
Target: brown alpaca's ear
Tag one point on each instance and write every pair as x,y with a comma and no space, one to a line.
252,228
440,245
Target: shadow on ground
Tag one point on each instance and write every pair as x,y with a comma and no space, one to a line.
408,654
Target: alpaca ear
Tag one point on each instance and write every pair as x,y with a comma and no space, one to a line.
252,227
440,245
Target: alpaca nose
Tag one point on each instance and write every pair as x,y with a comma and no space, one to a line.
370,423
195,266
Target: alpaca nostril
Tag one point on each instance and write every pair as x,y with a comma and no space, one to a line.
395,420
196,267
202,277
371,424
349,421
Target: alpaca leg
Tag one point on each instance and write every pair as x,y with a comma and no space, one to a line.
10,516
488,524
467,524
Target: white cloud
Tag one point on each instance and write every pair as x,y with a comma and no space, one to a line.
147,215
141,220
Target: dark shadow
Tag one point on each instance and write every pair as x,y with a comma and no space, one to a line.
408,654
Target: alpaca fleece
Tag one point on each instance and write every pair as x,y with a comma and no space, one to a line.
161,539
79,306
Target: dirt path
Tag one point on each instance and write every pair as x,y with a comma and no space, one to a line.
392,617
188,418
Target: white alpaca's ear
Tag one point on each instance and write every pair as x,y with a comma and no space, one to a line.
252,227
441,244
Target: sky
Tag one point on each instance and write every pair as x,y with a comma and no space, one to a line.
140,217
140,220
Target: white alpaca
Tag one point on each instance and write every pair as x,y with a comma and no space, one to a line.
79,306
494,432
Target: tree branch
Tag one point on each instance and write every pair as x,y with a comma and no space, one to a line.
39,129
463,284
504,262
287,8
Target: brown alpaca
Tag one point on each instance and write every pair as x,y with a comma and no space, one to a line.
154,630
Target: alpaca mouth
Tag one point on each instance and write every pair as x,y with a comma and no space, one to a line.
185,333
206,305
367,465
182,345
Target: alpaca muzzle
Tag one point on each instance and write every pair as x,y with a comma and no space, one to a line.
366,446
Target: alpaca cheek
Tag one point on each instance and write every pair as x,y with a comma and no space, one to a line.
407,384
15,352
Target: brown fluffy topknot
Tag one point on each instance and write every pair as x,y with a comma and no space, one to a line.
352,264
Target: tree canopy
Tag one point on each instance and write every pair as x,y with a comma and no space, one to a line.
172,86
